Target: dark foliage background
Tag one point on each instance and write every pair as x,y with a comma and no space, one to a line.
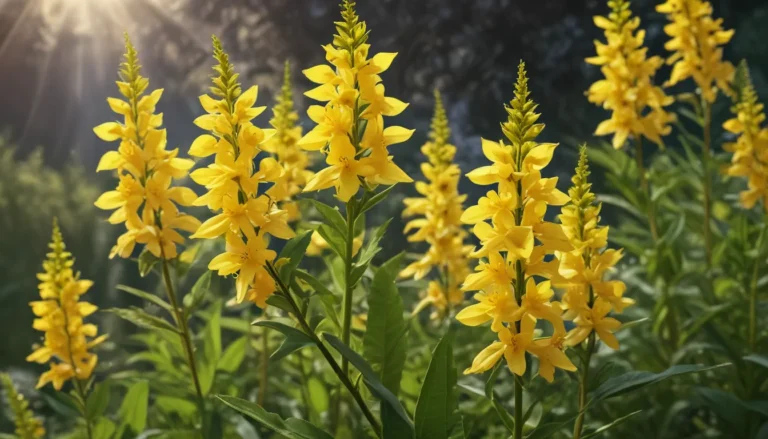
58,62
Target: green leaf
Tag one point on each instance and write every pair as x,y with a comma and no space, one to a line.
374,200
294,338
371,248
371,379
331,215
438,399
146,261
383,343
291,428
393,426
294,250
631,381
133,410
233,355
182,407
761,360
280,302
62,403
327,298
318,394
607,427
693,327
211,351
196,295
139,317
103,428
549,430
98,400
620,203
633,323
336,241
149,297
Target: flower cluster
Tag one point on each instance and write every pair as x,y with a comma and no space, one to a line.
27,425
245,214
350,127
283,146
750,150
60,315
636,104
696,40
439,224
145,169
588,298
516,244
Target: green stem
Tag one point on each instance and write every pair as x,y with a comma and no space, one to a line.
651,211
707,157
181,324
672,319
343,376
348,288
583,388
84,408
75,380
518,408
264,367
752,334
520,284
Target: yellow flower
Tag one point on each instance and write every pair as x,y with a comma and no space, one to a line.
284,147
517,244
498,306
247,214
750,150
550,353
439,223
27,425
60,316
588,297
695,42
145,170
511,345
354,97
247,259
595,319
636,104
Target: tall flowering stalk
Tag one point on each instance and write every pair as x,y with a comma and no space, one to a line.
749,161
439,223
636,104
696,41
27,425
350,131
146,171
284,147
245,213
514,246
588,298
60,315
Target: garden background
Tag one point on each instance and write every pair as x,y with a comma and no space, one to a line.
58,60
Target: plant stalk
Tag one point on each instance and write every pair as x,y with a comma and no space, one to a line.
264,367
348,288
583,388
646,188
518,408
186,339
343,376
707,181
75,380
